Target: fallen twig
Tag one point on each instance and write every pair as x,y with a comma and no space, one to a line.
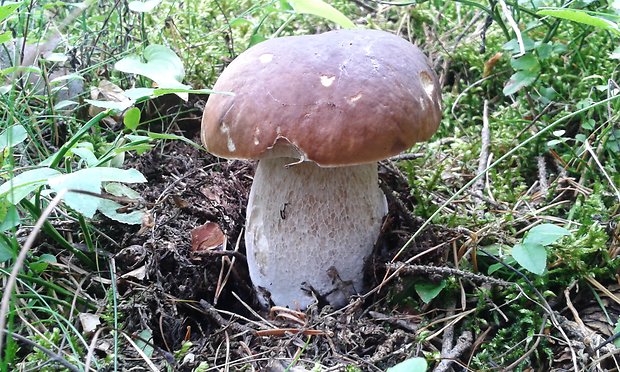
284,331
464,342
445,272
236,327
483,160
543,184
402,323
50,354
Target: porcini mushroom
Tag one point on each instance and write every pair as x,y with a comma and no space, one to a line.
318,112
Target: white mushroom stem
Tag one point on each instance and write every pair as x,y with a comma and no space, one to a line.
309,230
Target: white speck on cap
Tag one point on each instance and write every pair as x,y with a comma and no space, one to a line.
327,81
265,58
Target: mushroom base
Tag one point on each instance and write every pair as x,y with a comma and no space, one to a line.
309,230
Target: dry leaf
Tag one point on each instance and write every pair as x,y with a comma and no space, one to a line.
139,273
207,237
89,322
106,91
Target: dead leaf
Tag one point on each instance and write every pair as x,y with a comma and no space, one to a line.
207,237
212,196
106,91
490,64
89,322
139,273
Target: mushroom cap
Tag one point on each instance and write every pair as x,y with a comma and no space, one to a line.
339,98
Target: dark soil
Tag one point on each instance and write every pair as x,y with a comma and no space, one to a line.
178,294
176,299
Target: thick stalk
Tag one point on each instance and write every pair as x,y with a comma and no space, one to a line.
309,230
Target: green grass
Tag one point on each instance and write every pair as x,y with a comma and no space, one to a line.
572,96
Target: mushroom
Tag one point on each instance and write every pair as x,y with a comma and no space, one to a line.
318,112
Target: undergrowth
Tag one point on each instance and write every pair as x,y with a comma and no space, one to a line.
544,93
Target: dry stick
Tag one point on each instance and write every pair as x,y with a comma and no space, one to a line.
213,314
602,358
543,184
141,353
393,197
598,163
50,354
445,272
19,262
483,161
514,26
447,341
402,323
531,350
91,348
464,342
544,304
406,156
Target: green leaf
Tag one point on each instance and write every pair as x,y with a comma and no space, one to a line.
139,93
65,103
5,36
12,136
427,291
531,256
162,66
144,342
42,263
545,234
321,9
20,69
527,62
174,137
616,331
581,16
81,203
131,119
112,105
519,80
143,6
90,180
498,266
6,251
23,184
109,209
10,218
118,189
410,365
7,8
85,154
514,48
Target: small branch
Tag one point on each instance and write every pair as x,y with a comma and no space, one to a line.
445,272
50,354
393,198
401,323
463,344
542,177
447,341
514,26
531,349
485,134
213,314
283,331
407,156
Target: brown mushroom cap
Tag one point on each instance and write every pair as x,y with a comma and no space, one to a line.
339,98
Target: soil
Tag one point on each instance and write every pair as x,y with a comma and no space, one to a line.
173,293
168,288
